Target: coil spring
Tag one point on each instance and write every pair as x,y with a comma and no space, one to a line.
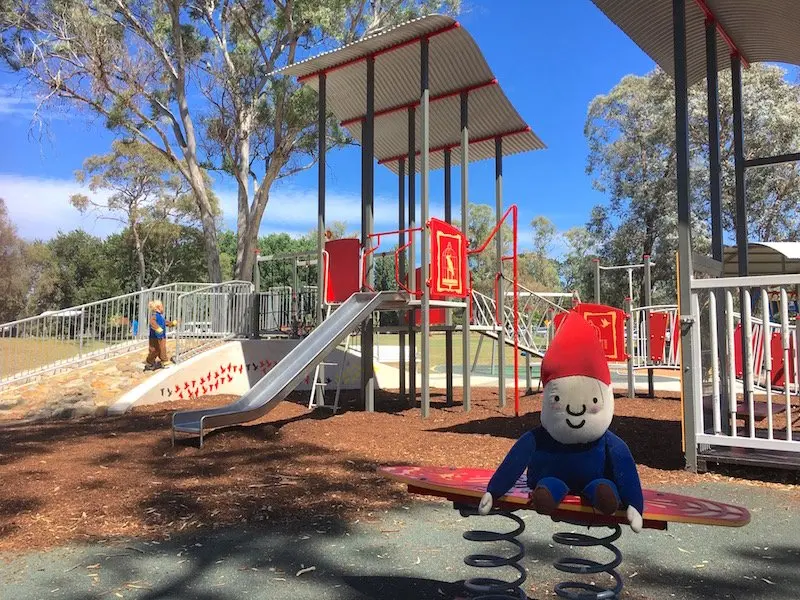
489,588
575,590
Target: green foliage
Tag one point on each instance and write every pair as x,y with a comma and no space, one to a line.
151,199
13,274
576,268
483,267
70,269
537,270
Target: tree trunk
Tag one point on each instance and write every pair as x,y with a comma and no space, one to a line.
137,242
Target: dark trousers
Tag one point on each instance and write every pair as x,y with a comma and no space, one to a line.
156,349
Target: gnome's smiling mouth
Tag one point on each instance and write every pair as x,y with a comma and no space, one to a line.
578,426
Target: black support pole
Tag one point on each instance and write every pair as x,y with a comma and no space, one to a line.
690,382
401,241
448,336
367,191
412,257
715,193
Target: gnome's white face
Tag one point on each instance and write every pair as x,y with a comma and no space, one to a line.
577,409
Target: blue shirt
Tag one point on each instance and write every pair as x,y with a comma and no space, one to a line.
161,323
575,464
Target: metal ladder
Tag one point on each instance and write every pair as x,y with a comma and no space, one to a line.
318,386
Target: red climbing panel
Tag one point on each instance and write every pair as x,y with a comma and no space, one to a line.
342,279
658,335
609,323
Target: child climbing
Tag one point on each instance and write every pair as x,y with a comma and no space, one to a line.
157,347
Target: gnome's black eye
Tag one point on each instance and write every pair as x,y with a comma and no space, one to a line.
594,400
556,398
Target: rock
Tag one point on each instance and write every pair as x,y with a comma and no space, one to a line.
84,409
10,403
74,398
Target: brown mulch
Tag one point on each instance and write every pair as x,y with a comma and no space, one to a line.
106,477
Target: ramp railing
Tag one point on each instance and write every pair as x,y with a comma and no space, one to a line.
93,331
212,314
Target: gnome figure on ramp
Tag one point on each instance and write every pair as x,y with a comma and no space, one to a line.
572,451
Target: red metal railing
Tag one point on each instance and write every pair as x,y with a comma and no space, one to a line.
369,251
512,210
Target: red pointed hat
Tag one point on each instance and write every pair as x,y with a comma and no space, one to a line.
575,350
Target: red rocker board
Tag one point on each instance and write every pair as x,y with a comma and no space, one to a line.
467,485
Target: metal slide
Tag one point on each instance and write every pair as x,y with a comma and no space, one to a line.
290,371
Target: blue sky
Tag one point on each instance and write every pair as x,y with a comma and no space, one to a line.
551,58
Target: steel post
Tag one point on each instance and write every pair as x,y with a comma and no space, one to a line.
367,192
596,262
630,347
501,307
715,193
465,339
401,241
256,298
690,384
412,248
648,301
741,192
425,253
448,335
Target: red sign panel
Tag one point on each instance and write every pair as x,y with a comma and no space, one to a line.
448,260
609,324
658,335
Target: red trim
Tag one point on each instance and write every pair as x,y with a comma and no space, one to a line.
453,146
710,16
394,109
377,53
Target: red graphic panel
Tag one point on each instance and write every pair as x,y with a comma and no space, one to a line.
658,335
609,322
778,368
342,267
467,485
448,275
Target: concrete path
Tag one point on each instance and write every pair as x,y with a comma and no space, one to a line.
416,552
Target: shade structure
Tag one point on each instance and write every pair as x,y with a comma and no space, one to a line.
765,258
456,65
760,30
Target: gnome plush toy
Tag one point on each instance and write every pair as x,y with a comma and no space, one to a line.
572,451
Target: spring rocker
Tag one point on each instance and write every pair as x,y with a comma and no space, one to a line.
578,472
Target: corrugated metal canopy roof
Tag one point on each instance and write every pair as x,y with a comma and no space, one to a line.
764,258
455,62
762,31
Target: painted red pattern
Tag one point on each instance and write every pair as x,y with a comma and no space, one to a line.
467,485
211,382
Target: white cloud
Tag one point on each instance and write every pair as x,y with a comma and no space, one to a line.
294,210
18,103
39,207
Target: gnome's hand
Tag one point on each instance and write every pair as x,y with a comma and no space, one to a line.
635,519
486,504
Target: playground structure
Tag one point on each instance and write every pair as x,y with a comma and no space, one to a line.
687,39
